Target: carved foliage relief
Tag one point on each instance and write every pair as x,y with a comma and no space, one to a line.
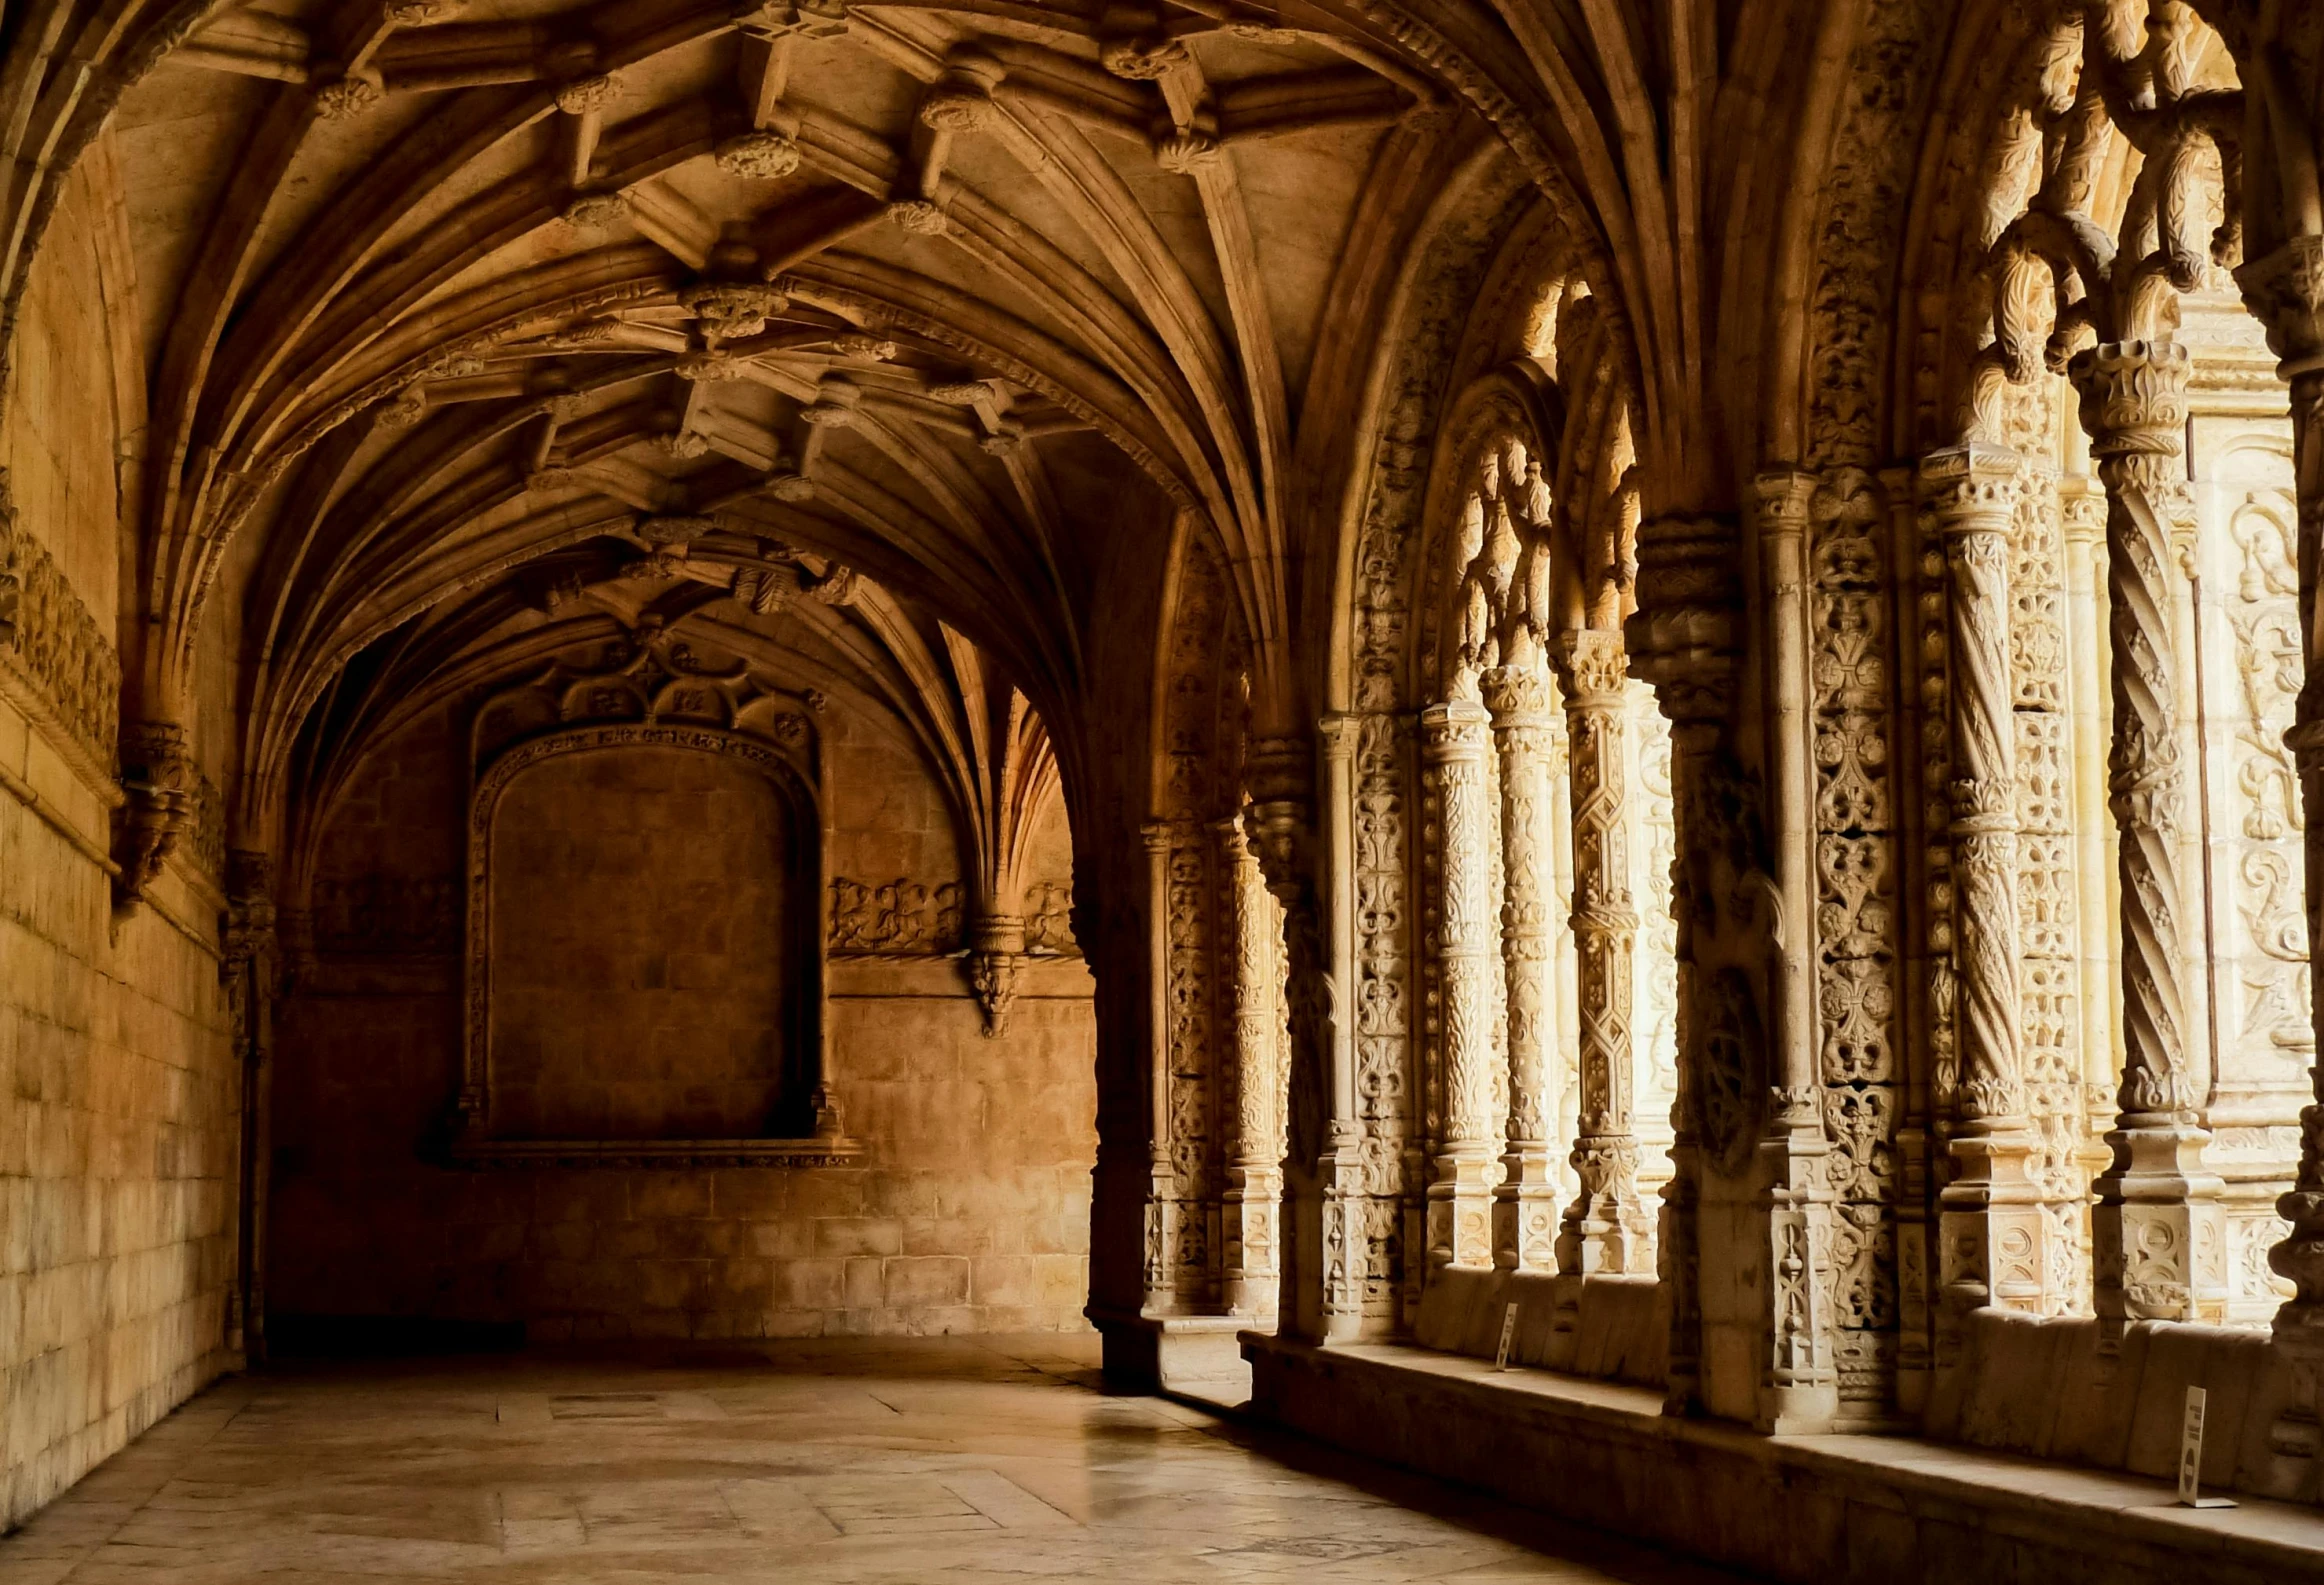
1856,929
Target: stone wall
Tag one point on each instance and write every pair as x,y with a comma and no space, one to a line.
969,1210
118,1092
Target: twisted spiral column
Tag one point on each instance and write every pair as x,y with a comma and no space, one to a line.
1460,1198
1989,1215
2158,1229
1606,1228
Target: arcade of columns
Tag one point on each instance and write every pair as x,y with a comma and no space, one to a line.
1985,983
1682,641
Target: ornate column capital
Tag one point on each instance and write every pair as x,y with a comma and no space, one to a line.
2082,505
2285,292
1970,488
2134,397
1455,733
1595,665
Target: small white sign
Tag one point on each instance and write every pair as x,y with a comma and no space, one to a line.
1508,1336
2191,1455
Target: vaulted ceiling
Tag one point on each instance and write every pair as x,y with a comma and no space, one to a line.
954,295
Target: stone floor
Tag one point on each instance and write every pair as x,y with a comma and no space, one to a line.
943,1459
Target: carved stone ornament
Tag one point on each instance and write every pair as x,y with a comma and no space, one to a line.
157,774
920,217
895,919
957,110
1143,60
595,211
589,96
758,156
344,98
731,310
55,662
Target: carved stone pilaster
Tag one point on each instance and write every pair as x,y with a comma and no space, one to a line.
1606,1228
157,777
1989,1215
1249,1279
1460,1217
2158,1230
2285,290
1525,1202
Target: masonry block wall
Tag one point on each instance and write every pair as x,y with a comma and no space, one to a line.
118,1091
969,1211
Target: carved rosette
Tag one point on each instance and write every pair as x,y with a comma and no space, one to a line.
2158,1229
1605,1228
1459,1212
2285,290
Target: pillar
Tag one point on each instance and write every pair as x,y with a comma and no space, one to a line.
1254,1162
1525,1203
2285,290
1460,1197
1606,1228
1799,1388
1162,1177
1989,1215
2158,1231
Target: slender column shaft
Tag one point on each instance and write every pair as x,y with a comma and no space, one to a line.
2083,506
1162,1179
1460,1198
1989,1214
1345,1189
1254,1172
1606,1228
1799,1382
1525,1203
2158,1228
2285,290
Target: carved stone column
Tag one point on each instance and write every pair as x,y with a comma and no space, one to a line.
250,971
1799,1390
1606,1229
2286,291
1320,1252
1683,640
2082,505
1249,1280
1989,1221
1460,1198
1525,1203
2158,1230
1162,1178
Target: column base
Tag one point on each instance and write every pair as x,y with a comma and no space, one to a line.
1460,1212
1186,1356
2159,1231
1525,1213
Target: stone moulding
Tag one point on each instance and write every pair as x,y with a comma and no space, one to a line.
56,665
662,1155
